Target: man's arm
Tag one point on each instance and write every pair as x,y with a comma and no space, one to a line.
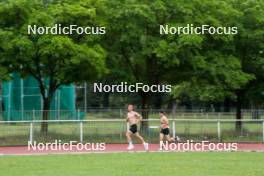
138,116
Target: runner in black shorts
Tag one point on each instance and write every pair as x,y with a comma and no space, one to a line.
164,128
165,131
133,128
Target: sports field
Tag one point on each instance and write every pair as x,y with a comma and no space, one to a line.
131,164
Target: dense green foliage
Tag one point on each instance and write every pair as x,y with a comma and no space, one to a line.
202,68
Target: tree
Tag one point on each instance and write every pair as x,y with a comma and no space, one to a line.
249,49
53,60
134,24
203,63
240,59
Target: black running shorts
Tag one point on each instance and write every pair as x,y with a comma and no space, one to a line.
165,131
133,128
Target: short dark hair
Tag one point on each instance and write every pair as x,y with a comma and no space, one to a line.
161,111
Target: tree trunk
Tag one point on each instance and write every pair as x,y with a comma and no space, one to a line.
238,112
227,105
45,116
106,100
144,110
158,101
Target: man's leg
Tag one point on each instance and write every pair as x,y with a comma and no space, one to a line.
169,139
161,137
129,140
139,137
142,140
128,135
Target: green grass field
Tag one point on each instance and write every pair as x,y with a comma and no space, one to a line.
139,164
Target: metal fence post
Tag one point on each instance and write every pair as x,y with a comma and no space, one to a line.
9,113
85,97
31,132
33,114
81,132
120,113
173,129
173,114
78,114
219,131
263,130
9,100
22,98
58,106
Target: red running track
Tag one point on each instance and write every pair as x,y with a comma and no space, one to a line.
113,148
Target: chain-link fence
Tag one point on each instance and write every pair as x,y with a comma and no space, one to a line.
113,131
119,113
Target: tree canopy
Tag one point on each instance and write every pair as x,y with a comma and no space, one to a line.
53,60
203,68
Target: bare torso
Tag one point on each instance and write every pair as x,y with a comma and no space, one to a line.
164,122
133,117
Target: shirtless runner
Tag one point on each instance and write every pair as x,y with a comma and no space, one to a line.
164,128
133,118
